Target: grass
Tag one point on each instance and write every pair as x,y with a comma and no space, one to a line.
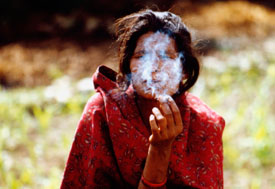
38,124
240,85
35,136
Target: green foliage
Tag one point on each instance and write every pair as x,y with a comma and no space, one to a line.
37,129
54,72
244,96
35,136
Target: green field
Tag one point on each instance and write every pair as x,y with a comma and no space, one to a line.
37,124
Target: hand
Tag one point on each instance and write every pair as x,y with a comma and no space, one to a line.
166,123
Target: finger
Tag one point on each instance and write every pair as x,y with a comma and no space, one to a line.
167,113
176,112
154,126
161,120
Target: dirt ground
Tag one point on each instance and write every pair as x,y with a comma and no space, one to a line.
32,63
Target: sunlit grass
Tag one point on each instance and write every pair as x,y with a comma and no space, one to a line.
35,136
244,95
38,124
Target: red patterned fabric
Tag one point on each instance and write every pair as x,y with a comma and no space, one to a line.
111,142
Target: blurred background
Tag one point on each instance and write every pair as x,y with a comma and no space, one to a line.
50,49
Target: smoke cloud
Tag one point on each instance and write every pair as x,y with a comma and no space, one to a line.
157,71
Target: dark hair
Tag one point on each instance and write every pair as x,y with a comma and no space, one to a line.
131,27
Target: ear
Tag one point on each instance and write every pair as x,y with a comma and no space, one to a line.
184,76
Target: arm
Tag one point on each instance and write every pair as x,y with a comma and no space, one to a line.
90,165
165,126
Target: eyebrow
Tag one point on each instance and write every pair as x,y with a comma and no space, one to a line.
140,52
169,53
172,53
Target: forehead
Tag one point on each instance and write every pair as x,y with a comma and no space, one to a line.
151,40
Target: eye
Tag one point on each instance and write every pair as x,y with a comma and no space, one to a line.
167,55
134,69
170,55
140,56
164,57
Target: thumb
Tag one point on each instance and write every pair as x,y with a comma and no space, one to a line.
151,138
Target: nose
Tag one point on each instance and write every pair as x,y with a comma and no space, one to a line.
157,67
154,75
155,72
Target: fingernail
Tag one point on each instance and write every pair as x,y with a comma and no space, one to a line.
163,99
167,98
157,97
154,109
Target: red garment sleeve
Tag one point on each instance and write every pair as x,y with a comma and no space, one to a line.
206,143
91,162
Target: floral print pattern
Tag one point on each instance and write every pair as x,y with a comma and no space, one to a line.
111,142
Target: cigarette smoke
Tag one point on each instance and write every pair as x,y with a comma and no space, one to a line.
156,78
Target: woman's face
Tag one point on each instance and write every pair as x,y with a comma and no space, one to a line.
155,66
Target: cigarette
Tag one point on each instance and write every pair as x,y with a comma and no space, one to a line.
163,98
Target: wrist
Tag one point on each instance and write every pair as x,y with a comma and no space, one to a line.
161,147
153,185
160,153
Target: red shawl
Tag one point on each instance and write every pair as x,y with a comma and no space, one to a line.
111,142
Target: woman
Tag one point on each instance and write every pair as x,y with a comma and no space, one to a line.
142,129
